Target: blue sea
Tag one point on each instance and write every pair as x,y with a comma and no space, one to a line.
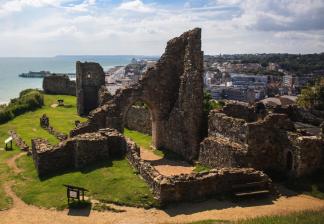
11,84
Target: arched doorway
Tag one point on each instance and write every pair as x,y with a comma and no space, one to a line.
289,161
139,120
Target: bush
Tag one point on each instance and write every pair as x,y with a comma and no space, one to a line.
5,116
28,100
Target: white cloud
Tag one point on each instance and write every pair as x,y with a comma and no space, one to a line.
7,7
228,27
136,6
82,7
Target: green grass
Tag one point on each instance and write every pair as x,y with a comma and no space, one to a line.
139,138
201,168
27,125
145,141
111,181
307,217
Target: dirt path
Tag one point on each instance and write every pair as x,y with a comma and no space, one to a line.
164,166
182,213
12,162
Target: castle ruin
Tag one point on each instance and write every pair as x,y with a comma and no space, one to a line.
243,141
173,91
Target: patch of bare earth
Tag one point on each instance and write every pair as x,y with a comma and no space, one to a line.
164,166
12,162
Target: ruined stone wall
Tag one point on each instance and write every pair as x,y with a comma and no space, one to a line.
49,159
89,79
308,155
237,109
173,90
219,124
189,187
138,118
58,84
77,152
298,114
267,140
222,152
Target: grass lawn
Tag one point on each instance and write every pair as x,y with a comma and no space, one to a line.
142,140
113,181
145,141
307,217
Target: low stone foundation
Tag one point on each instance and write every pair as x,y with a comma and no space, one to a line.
190,187
19,141
77,152
45,124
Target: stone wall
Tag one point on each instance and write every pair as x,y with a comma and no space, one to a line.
265,144
138,118
190,187
172,89
19,141
49,159
308,155
230,127
58,84
90,77
241,110
222,152
77,152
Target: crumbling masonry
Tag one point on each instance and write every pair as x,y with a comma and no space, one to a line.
173,90
240,137
243,141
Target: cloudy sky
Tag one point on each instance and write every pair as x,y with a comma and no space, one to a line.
142,27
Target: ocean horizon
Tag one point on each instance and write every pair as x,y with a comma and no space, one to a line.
10,68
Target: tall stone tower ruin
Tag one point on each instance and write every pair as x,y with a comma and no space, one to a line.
89,78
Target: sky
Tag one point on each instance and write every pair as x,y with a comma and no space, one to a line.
142,27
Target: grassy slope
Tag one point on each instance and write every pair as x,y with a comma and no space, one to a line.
111,181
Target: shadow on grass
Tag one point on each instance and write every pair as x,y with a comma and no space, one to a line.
84,170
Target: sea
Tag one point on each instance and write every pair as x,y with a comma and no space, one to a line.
10,68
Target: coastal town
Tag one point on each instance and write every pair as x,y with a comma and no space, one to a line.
228,79
162,112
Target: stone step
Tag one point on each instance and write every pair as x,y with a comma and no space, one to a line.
250,184
251,193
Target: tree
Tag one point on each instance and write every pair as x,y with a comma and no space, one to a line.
312,96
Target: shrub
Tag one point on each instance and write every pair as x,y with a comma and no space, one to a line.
28,100
5,116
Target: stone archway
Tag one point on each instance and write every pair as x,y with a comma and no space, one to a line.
150,119
173,89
